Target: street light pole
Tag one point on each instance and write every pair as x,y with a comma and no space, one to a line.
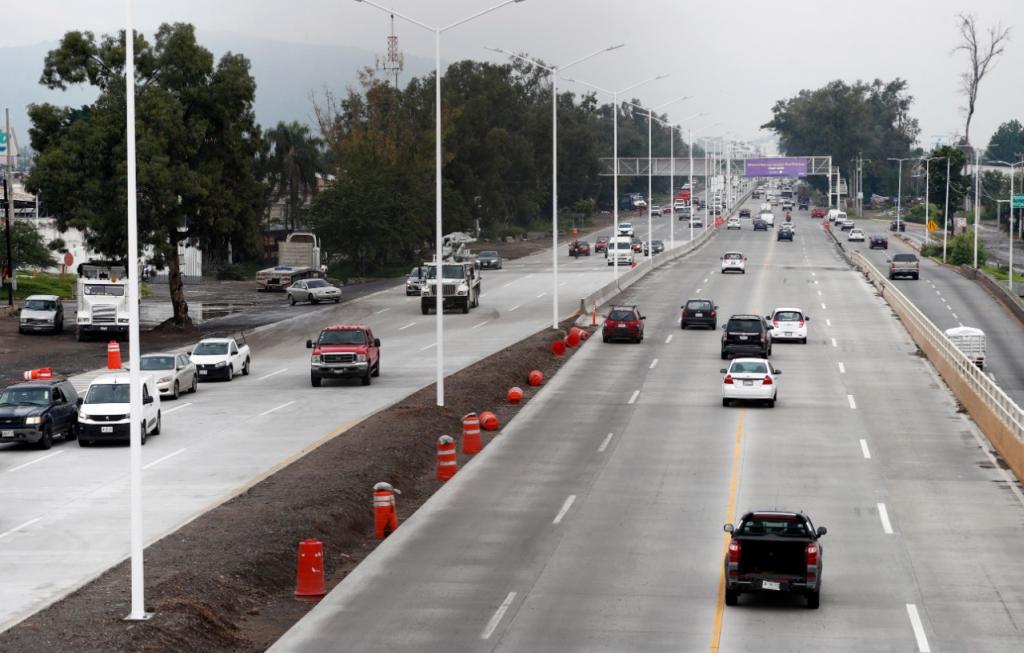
553,70
899,191
945,213
438,204
977,201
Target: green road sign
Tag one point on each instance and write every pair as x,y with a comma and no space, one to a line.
1018,201
3,142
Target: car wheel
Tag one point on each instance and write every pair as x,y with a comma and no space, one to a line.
465,306
144,434
376,368
46,441
731,597
682,325
313,300
177,391
426,311
725,356
159,424
725,403
337,300
813,600
245,367
714,325
315,381
84,442
291,299
605,339
367,378
231,372
72,432
195,383
771,402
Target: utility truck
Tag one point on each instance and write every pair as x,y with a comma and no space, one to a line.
298,257
459,286
970,341
101,301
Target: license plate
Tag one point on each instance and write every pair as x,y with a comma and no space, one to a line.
202,372
748,383
103,328
743,337
7,434
770,585
106,429
789,333
622,326
698,315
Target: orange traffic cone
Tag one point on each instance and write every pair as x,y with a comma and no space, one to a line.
447,461
40,373
471,434
536,377
573,339
309,572
385,513
558,348
515,395
489,421
113,355
593,318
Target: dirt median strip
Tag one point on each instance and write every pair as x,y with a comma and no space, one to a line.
224,581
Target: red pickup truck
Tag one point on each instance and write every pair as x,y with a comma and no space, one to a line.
344,352
817,212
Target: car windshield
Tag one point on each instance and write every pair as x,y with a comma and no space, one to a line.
622,315
489,254
748,367
450,272
40,305
904,257
732,256
104,289
343,337
774,526
157,363
745,326
789,316
317,283
698,306
210,349
622,245
25,397
107,393
416,272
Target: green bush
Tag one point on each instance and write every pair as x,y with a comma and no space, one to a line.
232,272
916,213
931,249
961,249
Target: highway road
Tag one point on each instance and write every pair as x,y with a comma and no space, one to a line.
594,523
949,299
65,518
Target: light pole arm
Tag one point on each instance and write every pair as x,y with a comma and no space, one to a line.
407,19
474,16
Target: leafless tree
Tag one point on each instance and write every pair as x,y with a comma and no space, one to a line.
982,58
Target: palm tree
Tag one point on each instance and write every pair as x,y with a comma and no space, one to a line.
295,159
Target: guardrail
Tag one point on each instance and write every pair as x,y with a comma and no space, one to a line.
997,415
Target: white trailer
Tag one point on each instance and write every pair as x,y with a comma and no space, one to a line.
970,341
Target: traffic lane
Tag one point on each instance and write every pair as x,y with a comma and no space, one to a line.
417,568
950,299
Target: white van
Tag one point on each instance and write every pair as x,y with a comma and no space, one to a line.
103,414
620,248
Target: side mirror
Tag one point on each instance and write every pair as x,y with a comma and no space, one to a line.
728,528
376,342
822,530
776,372
643,317
148,400
723,371
309,344
188,353
807,318
768,317
724,326
682,306
79,402
716,308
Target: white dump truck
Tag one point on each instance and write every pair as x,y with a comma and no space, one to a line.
970,341
298,257
101,295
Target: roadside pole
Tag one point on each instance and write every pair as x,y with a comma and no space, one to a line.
945,213
977,201
9,212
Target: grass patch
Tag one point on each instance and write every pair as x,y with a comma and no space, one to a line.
1002,273
45,283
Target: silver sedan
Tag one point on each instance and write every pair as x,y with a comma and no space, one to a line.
313,291
174,373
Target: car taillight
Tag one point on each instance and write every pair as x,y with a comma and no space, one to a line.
728,379
917,266
776,323
801,323
892,266
713,314
811,554
767,380
610,322
734,556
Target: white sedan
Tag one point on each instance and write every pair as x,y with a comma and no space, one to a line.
734,262
789,324
733,223
625,228
174,373
750,379
313,291
855,234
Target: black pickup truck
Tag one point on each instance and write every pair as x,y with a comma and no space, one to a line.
773,551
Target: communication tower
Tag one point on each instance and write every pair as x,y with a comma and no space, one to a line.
393,62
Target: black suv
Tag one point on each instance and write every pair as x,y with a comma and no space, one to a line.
36,411
802,205
900,225
785,232
699,312
746,334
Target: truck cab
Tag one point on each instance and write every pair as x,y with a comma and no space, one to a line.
102,302
460,286
774,551
344,352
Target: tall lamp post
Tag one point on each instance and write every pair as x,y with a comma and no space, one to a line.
899,191
437,167
693,192
927,189
672,178
615,151
553,71
1010,226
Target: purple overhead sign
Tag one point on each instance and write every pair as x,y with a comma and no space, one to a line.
777,167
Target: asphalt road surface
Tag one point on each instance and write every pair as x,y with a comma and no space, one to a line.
65,516
594,522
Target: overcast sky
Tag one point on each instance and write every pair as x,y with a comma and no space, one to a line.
735,57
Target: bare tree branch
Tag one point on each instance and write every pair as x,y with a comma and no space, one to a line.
981,58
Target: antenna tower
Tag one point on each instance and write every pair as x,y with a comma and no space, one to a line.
393,62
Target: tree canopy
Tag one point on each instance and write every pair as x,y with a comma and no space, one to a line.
1007,143
197,143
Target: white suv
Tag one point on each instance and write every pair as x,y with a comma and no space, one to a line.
104,412
625,228
789,324
620,249
734,262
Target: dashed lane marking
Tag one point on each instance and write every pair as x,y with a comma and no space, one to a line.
496,617
632,398
477,326
654,363
883,515
178,407
569,500
19,527
915,623
842,368
604,443
864,449
668,339
852,401
160,460
267,376
34,461
407,326
276,408
430,346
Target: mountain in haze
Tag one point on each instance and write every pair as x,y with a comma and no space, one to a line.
286,73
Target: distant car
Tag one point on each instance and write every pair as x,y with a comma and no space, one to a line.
657,245
313,291
489,259
786,233
878,241
41,313
900,225
174,373
665,210
579,248
746,335
787,205
817,212
601,244
904,265
855,235
696,221
847,225
789,324
623,323
734,262
750,379
733,223
637,244
655,209
744,213
699,312
414,282
802,205
35,412
760,225
769,218
625,228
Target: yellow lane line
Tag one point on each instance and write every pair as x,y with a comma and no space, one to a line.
730,517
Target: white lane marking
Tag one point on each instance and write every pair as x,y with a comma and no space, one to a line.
705,281
654,363
508,284
160,460
514,308
267,376
541,295
955,317
950,308
33,462
864,449
569,500
938,293
834,343
19,527
178,407
828,322
632,398
883,514
668,339
842,368
915,623
407,326
823,306
430,346
605,443
814,275
498,614
961,323
383,310
564,283
853,404
267,412
477,326
819,293
698,291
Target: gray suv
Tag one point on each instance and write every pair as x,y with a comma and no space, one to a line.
37,411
